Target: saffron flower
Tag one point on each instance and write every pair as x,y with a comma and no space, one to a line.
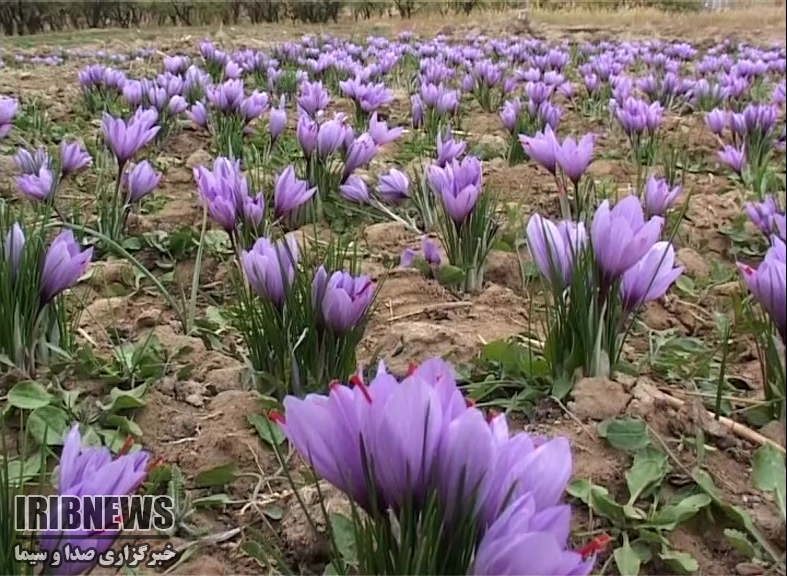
575,157
394,186
140,181
458,185
621,237
767,283
342,298
659,198
270,268
289,193
72,157
555,247
355,190
87,471
650,278
64,263
543,148
38,186
13,246
125,139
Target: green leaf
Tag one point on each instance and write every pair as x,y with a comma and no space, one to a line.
449,275
28,395
48,425
737,515
679,562
123,424
741,543
20,471
648,469
218,476
212,500
562,386
268,431
670,516
769,475
343,532
598,499
627,560
625,433
256,551
125,399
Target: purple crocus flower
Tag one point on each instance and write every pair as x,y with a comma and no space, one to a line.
417,110
39,186
768,283
8,109
394,186
277,120
509,115
125,139
458,185
306,131
313,98
523,540
253,210
621,237
140,181
13,246
72,157
430,251
219,194
87,471
716,120
359,153
542,147
343,299
449,149
226,97
407,258
733,157
253,106
270,268
650,278
177,104
762,214
289,193
380,133
574,158
132,93
330,137
31,163
354,189
199,114
555,248
659,197
64,263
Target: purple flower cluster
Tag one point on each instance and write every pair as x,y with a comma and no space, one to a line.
417,437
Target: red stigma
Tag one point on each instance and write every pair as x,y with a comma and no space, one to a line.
748,270
155,463
126,445
333,385
276,416
469,403
491,415
411,368
596,545
356,381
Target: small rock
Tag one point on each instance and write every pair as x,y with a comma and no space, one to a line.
728,288
599,399
184,426
503,268
656,317
693,264
493,142
148,318
197,158
775,431
217,381
110,272
195,400
187,389
749,569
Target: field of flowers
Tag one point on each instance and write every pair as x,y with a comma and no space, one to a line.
459,302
